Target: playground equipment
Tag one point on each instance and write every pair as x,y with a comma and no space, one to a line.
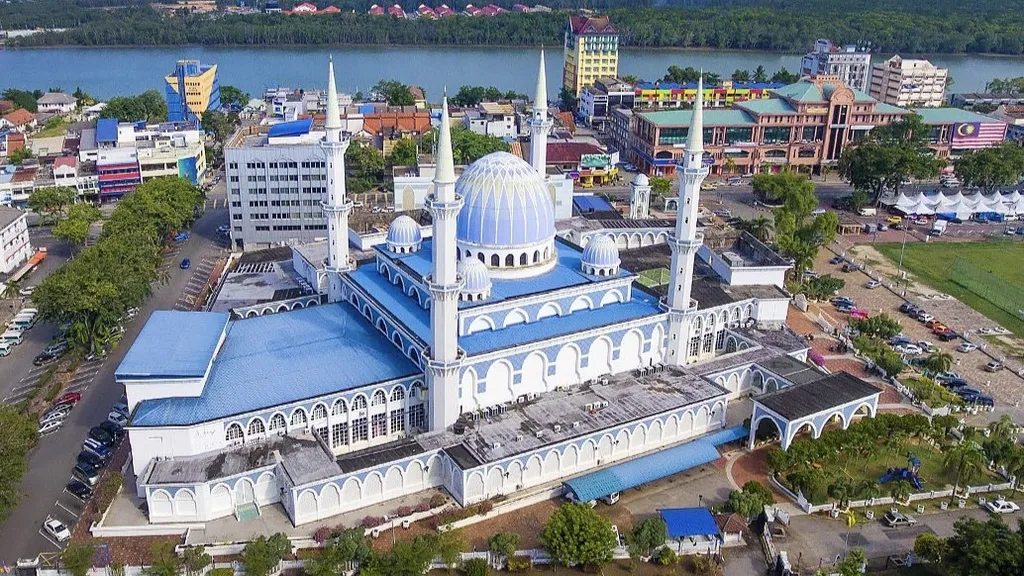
909,473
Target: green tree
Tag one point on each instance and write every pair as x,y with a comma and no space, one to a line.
75,228
760,74
740,75
900,490
647,536
990,168
504,543
338,552
751,500
772,189
630,79
966,459
853,564
882,326
404,152
447,546
940,361
1014,464
77,558
22,99
467,146
220,125
859,199
232,97
163,560
575,535
989,548
195,560
394,93
568,99
149,106
404,559
18,157
1005,85
50,202
660,187
475,567
798,234
83,97
262,555
930,547
760,228
365,167
785,76
889,155
890,362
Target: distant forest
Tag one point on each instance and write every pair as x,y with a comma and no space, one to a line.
889,26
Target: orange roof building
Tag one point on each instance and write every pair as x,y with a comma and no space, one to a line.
19,118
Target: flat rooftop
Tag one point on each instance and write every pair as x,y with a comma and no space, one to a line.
258,282
629,398
173,344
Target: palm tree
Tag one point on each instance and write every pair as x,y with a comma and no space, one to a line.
12,291
1003,428
967,460
940,361
760,227
900,490
1015,466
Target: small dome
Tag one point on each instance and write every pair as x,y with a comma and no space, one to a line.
476,279
404,235
601,256
641,180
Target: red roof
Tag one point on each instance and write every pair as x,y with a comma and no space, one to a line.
570,152
15,142
376,10
730,523
401,121
417,92
68,161
330,10
396,10
304,8
592,25
19,117
6,105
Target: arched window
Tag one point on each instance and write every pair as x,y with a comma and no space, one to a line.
468,253
277,422
546,254
495,260
339,408
510,261
397,340
256,427
379,399
480,255
299,417
398,394
522,259
319,412
536,256
234,433
359,403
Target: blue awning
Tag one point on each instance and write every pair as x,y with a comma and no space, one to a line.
642,470
728,435
684,522
293,128
592,204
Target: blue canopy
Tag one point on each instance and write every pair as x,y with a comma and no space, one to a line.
684,522
642,470
727,435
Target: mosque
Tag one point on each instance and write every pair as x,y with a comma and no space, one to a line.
491,358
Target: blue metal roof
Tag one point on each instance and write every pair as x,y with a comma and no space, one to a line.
591,204
174,344
404,307
693,85
728,435
293,128
106,130
683,522
281,358
642,470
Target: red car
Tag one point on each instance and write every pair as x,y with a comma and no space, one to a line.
71,398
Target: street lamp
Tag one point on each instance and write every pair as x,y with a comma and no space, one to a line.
700,500
899,271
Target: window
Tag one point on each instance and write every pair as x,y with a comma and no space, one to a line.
495,260
379,399
359,431
359,403
735,135
256,427
339,434
720,340
708,340
398,420
339,408
319,412
299,417
277,423
776,135
398,395
694,345
234,434
418,417
811,134
380,425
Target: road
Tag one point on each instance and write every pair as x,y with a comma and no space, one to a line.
51,461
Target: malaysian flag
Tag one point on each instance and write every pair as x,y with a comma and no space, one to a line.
978,134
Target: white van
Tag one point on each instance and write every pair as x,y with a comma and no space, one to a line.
22,322
13,337
867,211
5,348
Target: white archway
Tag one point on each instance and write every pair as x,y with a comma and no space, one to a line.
514,317
479,324
567,365
548,310
629,352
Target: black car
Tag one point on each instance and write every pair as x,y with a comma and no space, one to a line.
905,307
848,267
79,489
87,473
114,430
980,399
954,383
100,435
836,260
90,459
947,335
45,358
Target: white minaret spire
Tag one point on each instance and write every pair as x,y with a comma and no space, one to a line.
444,285
685,240
540,124
336,206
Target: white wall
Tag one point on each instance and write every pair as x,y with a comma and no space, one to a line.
139,390
152,442
771,311
15,244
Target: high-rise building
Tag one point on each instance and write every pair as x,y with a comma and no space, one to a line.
591,52
851,63
901,82
200,87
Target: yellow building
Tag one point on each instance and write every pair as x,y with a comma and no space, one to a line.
591,52
200,86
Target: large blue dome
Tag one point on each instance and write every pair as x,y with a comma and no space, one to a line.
507,204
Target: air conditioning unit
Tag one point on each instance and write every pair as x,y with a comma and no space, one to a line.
604,381
558,427
576,424
495,445
519,437
539,434
588,407
531,396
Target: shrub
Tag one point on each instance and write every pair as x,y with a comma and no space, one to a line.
485,507
321,534
667,556
475,567
518,564
221,572
404,511
422,507
438,500
372,521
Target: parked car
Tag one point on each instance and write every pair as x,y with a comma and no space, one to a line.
91,459
955,384
723,213
86,473
896,519
5,348
947,335
933,323
944,376
908,349
45,358
980,400
56,529
94,356
120,407
98,448
872,284
923,316
994,366
79,490
185,263
71,398
966,347
894,220
114,429
927,346
27,290
50,426
117,418
905,307
1001,506
849,267
102,436
840,300
836,260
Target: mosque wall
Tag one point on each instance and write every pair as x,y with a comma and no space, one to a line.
202,502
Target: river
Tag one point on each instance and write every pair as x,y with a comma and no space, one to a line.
105,72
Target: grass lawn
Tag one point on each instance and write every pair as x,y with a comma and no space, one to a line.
654,277
58,128
932,263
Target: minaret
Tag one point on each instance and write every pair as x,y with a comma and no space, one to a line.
444,284
540,124
337,206
640,197
685,240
